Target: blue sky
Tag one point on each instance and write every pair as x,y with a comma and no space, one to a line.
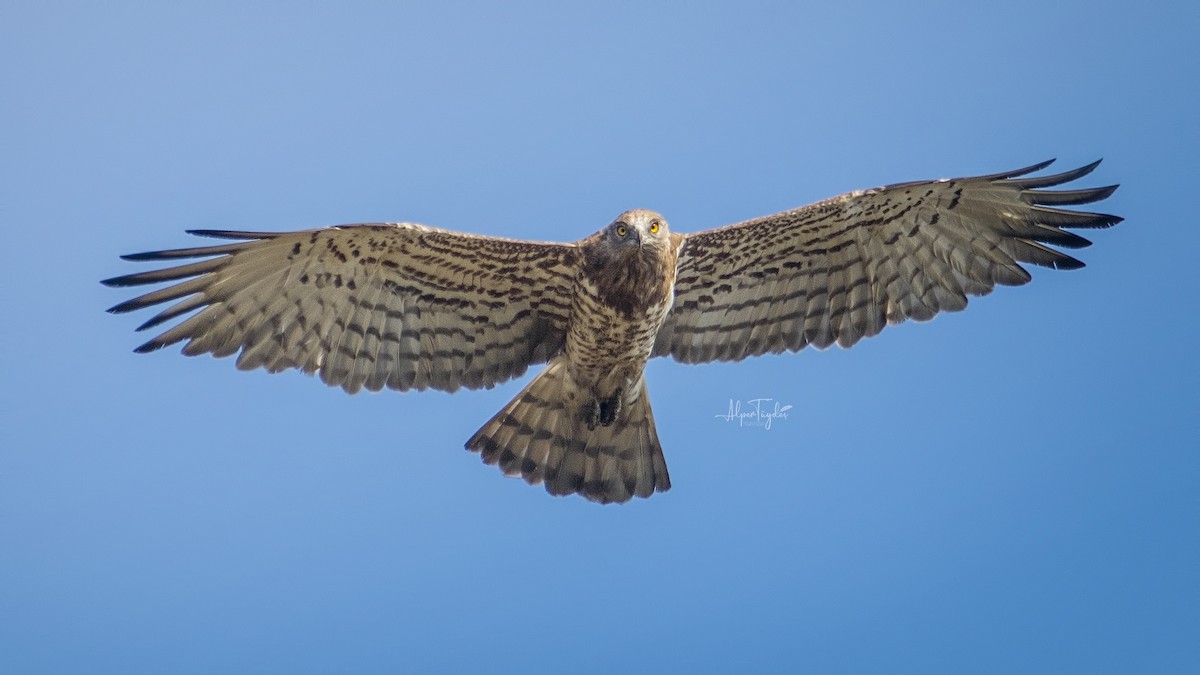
1009,488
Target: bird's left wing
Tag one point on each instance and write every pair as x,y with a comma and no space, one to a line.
396,304
842,269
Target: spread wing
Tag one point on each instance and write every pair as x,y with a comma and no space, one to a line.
397,305
842,269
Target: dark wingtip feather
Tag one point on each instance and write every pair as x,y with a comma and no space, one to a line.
1058,178
119,282
153,321
140,257
233,234
1062,238
1068,197
151,346
1073,219
122,308
1029,169
168,274
1003,175
1100,193
1096,221
1066,262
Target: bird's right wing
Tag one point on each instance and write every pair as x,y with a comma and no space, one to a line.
397,304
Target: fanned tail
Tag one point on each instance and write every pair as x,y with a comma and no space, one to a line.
541,436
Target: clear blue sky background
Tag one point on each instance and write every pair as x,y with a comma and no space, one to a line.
1010,488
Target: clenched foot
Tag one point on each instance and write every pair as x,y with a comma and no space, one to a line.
591,413
610,408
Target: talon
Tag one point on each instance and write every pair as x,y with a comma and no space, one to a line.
610,408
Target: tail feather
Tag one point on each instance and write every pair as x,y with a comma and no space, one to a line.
541,436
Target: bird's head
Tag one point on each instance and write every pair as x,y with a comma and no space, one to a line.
640,228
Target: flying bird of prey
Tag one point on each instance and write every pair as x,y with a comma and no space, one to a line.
407,306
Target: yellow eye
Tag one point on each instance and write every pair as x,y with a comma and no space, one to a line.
622,230
654,227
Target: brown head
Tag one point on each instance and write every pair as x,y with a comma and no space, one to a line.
641,228
637,238
634,257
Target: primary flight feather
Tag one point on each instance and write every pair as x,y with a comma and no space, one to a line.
407,306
